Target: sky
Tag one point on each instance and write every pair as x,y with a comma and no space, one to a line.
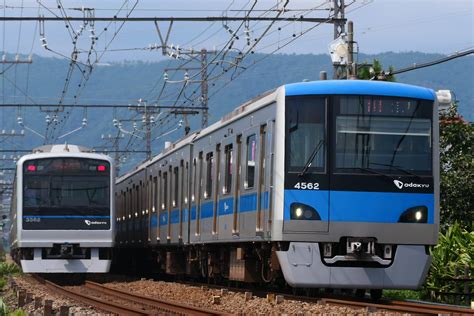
434,26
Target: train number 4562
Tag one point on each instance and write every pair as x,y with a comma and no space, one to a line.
307,186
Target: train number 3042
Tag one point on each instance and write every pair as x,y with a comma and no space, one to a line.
307,186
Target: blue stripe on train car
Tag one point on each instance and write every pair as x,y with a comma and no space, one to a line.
359,87
380,207
163,219
193,212
248,203
175,216
226,206
154,220
265,199
185,215
353,206
207,209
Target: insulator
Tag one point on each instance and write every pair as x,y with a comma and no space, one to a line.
165,76
84,122
186,76
19,120
48,119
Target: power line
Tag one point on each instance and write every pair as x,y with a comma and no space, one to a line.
432,63
105,106
169,19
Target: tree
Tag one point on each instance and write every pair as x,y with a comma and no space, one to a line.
374,71
456,170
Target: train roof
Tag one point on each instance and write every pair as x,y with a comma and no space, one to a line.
359,87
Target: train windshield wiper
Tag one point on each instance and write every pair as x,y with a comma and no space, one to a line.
396,168
311,158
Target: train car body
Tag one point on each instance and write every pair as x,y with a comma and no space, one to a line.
61,211
331,184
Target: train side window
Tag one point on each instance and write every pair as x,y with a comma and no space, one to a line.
137,200
209,175
228,161
250,163
176,186
155,194
185,184
194,189
164,193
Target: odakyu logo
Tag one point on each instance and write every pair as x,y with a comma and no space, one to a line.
400,185
89,223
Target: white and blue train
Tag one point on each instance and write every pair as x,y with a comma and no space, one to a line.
61,211
328,184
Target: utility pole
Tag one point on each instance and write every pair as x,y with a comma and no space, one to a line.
339,29
351,66
204,88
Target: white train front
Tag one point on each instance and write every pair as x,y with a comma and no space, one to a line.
61,211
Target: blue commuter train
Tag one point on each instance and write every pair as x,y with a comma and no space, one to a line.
327,184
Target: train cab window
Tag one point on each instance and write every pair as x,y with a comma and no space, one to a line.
175,186
209,175
250,163
305,134
228,169
164,193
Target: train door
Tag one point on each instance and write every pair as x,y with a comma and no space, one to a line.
237,188
248,202
265,181
208,218
225,206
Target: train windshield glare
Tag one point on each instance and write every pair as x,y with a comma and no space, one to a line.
384,133
66,183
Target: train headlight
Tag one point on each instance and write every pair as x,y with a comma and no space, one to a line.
300,211
416,214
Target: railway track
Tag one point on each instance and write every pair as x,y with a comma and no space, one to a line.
401,307
123,303
415,308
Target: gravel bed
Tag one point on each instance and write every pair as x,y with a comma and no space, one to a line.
232,302
38,290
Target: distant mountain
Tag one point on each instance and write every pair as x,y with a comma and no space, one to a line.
126,82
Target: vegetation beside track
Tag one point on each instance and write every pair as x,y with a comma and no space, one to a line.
6,270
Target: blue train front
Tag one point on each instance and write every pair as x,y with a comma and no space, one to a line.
359,191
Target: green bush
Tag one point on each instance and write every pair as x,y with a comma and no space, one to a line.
455,250
3,283
3,308
8,269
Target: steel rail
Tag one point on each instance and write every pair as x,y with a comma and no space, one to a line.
119,309
397,306
161,304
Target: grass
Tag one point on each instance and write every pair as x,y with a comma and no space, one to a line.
402,295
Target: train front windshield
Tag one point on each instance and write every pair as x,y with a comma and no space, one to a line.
388,134
384,133
66,193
